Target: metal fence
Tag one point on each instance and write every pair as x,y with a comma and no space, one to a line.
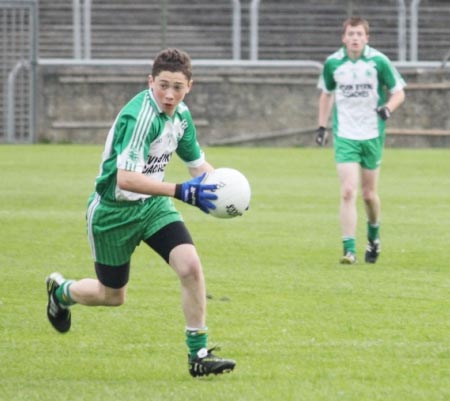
18,55
407,21
246,32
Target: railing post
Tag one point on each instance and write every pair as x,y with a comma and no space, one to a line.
236,35
413,30
254,14
11,100
401,29
34,57
87,29
163,23
76,18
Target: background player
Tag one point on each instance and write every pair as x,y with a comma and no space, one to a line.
354,78
132,203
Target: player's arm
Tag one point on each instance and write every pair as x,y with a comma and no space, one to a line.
205,167
192,192
325,105
140,183
395,100
390,77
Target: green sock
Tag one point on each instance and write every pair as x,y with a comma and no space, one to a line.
349,244
196,339
62,293
373,231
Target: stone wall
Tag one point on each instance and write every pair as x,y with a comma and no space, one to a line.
231,105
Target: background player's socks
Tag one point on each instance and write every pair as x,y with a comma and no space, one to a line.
373,231
349,245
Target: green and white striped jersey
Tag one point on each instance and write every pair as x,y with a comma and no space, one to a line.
359,88
143,139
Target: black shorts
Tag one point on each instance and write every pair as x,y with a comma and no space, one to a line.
170,236
162,242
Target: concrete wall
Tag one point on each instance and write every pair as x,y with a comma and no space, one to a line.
247,106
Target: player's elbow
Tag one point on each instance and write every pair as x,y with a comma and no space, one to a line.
125,180
401,97
397,99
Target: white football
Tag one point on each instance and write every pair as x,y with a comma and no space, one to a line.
233,192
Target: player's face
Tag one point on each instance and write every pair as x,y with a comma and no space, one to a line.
354,39
169,89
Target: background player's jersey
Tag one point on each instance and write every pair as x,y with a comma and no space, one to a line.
143,139
358,87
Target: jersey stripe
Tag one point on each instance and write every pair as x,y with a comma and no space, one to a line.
141,129
89,217
142,120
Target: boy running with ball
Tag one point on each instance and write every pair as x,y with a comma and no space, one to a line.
132,203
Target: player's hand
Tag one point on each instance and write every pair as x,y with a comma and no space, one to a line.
321,136
383,112
197,194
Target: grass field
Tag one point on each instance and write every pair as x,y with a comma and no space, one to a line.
301,326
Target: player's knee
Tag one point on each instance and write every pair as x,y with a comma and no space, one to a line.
348,193
115,297
186,262
191,269
115,301
369,195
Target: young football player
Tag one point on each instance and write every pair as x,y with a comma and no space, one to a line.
354,79
132,204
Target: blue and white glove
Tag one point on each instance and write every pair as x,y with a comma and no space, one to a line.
197,194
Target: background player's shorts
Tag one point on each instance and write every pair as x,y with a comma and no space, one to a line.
115,229
368,153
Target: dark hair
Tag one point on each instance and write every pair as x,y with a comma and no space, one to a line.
172,60
355,21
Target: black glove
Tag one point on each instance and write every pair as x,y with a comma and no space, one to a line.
383,112
321,136
197,194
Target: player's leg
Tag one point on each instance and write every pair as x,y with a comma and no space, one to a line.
348,178
369,182
113,240
186,263
370,174
348,158
108,290
113,232
369,185
174,243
